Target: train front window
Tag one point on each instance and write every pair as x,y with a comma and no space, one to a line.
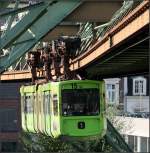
80,102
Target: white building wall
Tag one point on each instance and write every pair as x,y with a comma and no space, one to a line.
137,126
138,130
137,104
125,86
125,91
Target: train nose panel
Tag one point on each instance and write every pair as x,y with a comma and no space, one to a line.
78,126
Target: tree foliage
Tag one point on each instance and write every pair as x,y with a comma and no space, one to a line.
44,143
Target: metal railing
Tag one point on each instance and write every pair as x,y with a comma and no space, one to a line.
20,65
90,34
116,141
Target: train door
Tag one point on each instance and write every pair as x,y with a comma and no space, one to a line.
23,110
46,109
102,98
28,111
55,118
103,108
39,112
42,113
35,108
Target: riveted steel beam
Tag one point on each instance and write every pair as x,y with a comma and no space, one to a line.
23,25
115,139
20,10
12,17
35,25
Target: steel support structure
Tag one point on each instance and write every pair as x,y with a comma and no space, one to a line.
115,140
32,28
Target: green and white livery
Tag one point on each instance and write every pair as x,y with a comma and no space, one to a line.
74,108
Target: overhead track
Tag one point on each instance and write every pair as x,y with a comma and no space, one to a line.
33,27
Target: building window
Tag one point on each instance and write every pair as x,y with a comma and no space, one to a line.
8,120
138,144
139,86
131,141
8,147
148,145
111,93
143,144
55,104
135,144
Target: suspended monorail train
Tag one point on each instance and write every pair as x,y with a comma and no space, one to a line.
74,108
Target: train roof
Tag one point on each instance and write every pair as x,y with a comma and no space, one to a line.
47,86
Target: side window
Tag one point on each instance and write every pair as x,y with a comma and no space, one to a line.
23,104
28,104
139,86
40,96
55,104
46,103
34,100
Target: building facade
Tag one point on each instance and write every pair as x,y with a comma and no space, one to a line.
10,117
137,136
131,94
136,94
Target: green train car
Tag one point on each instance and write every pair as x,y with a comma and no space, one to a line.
74,108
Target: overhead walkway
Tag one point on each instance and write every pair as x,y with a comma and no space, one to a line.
123,50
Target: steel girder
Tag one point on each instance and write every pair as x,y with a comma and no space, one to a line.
33,27
115,140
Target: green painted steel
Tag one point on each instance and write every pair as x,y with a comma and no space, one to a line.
33,27
19,10
89,33
22,26
115,139
4,4
45,113
11,18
